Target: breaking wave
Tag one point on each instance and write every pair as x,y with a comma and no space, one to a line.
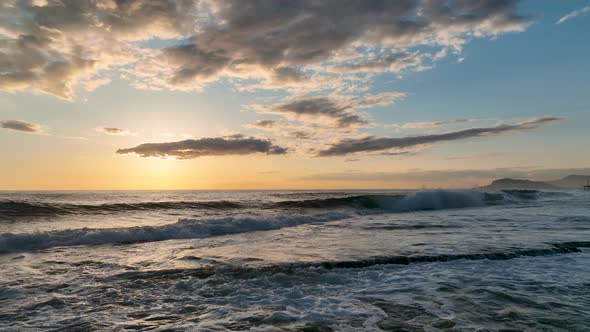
25,209
183,229
418,201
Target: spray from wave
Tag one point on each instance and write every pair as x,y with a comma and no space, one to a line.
183,229
418,201
341,208
423,200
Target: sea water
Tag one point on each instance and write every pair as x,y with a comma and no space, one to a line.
295,261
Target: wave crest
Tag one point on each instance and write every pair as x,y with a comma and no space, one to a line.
28,209
395,202
183,229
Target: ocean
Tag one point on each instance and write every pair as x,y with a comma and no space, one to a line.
430,260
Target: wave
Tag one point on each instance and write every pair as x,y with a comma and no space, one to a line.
528,194
418,201
357,201
26,209
555,249
249,271
183,229
400,202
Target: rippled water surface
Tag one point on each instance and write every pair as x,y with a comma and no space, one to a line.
295,261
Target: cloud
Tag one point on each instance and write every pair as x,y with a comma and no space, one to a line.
50,47
397,153
264,124
314,107
392,62
114,131
55,46
264,35
339,111
372,144
21,126
216,146
421,125
300,135
289,75
569,16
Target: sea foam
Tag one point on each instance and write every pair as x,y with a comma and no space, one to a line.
200,228
183,229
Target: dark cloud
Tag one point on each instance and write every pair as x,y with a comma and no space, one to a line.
194,63
20,126
122,18
49,46
265,124
322,106
372,144
30,61
217,146
416,125
288,75
300,135
114,131
276,33
399,153
394,62
340,111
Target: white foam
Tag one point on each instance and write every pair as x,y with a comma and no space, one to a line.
183,229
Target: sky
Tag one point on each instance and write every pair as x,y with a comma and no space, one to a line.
322,94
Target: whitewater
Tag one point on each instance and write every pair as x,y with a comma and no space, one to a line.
429,260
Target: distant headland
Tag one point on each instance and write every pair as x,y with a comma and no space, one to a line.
568,182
